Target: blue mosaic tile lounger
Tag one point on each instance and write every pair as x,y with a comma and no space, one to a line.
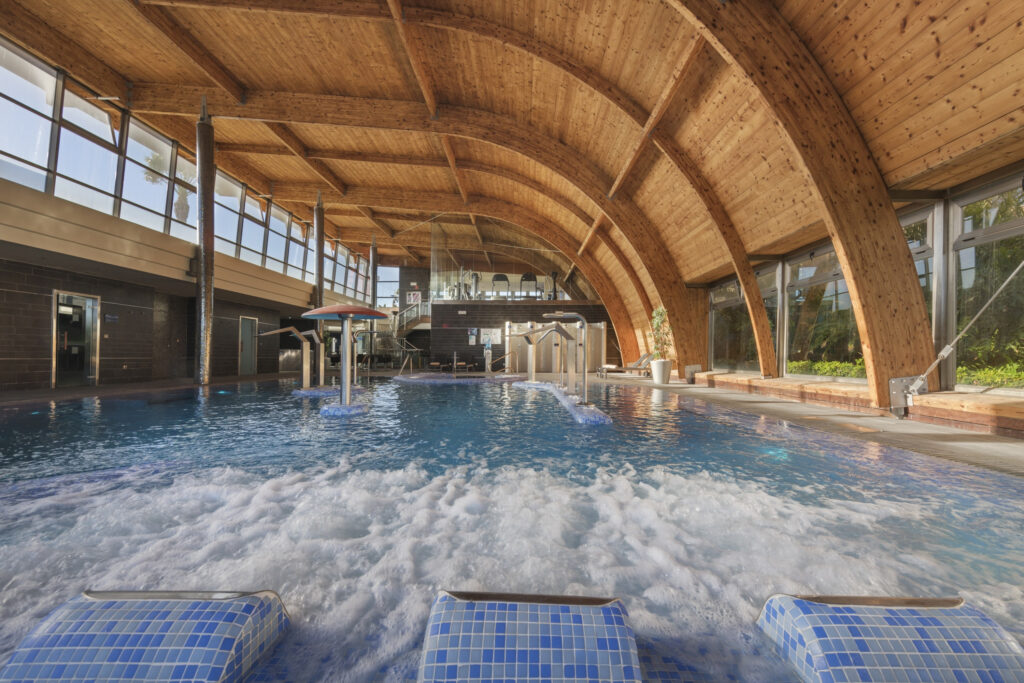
497,636
150,636
833,639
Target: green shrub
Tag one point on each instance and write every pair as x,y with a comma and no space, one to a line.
828,368
1009,375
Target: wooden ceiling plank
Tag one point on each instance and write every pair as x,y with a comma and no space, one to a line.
412,52
162,20
298,148
33,34
666,97
338,8
449,154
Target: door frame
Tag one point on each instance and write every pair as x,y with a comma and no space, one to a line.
256,355
53,332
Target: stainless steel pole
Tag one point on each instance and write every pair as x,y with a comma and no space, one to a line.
205,176
346,355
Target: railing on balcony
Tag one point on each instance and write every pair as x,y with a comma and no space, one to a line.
410,315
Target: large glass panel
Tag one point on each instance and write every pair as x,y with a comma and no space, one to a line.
296,253
225,223
998,208
816,265
185,205
149,148
25,135
733,345
279,220
101,120
25,82
83,195
228,192
147,219
144,187
252,235
275,246
21,173
254,206
823,338
91,165
992,351
184,232
916,233
725,292
185,169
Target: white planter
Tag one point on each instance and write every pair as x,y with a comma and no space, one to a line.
660,371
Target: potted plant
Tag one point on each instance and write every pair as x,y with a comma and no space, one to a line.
661,333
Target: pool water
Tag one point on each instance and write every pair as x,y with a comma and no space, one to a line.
692,514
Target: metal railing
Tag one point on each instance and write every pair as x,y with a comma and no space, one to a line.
508,367
410,314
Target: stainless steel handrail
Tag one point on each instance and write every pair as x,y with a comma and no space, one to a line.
490,367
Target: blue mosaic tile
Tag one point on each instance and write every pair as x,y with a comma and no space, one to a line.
837,643
491,640
150,637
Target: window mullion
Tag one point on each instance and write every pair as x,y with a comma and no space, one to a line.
122,153
51,160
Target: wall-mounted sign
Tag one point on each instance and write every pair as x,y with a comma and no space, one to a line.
413,297
491,335
462,313
110,317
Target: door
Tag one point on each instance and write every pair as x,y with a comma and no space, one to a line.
247,346
76,340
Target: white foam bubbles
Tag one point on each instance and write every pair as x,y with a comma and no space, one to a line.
358,555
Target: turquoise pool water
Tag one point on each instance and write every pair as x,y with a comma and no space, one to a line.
692,514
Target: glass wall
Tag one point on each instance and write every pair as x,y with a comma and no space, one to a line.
988,249
822,330
387,288
733,346
57,136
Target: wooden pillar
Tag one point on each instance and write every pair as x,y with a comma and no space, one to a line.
892,317
205,177
318,228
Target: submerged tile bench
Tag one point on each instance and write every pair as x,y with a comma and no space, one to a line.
151,636
829,639
484,636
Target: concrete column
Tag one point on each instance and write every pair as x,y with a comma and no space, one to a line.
205,176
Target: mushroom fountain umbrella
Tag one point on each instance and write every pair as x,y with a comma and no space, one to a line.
346,314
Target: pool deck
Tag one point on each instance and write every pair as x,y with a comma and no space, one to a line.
992,451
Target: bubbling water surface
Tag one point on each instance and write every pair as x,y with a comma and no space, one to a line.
692,514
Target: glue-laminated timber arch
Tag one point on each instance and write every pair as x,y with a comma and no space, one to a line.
891,314
494,208
737,252
686,308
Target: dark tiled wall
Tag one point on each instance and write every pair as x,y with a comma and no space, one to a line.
26,334
144,334
449,331
225,337
406,276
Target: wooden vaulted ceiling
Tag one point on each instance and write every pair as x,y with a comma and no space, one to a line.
638,138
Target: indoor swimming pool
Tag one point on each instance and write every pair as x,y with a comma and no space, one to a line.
693,514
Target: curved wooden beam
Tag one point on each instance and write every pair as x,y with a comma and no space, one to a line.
686,308
494,208
891,314
726,229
